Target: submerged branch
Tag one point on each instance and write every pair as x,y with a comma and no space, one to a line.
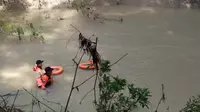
52,102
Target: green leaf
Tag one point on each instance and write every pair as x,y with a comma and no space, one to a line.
112,89
20,30
192,105
105,66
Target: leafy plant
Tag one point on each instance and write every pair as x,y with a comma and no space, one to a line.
105,66
35,33
19,31
7,27
193,105
113,95
10,28
84,7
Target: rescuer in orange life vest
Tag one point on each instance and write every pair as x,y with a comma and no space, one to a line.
47,78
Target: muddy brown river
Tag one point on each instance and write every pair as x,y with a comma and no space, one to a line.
162,46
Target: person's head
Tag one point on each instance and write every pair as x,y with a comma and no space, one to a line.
48,70
39,63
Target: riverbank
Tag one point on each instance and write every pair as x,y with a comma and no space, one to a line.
51,4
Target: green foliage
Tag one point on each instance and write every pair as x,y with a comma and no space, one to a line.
7,27
85,7
79,4
19,30
35,33
116,95
10,28
193,105
105,66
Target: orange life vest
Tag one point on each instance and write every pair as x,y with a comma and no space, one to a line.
43,80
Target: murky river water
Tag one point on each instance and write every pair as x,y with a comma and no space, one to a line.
162,46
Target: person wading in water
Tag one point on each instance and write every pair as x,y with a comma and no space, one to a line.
47,78
39,67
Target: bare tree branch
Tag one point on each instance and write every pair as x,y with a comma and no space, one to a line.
70,39
24,105
52,102
161,99
32,101
14,101
75,28
72,87
97,72
39,100
86,95
94,88
32,105
119,60
84,81
59,104
12,93
4,101
38,103
2,109
61,109
90,48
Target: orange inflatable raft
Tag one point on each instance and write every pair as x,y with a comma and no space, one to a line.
57,70
87,65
